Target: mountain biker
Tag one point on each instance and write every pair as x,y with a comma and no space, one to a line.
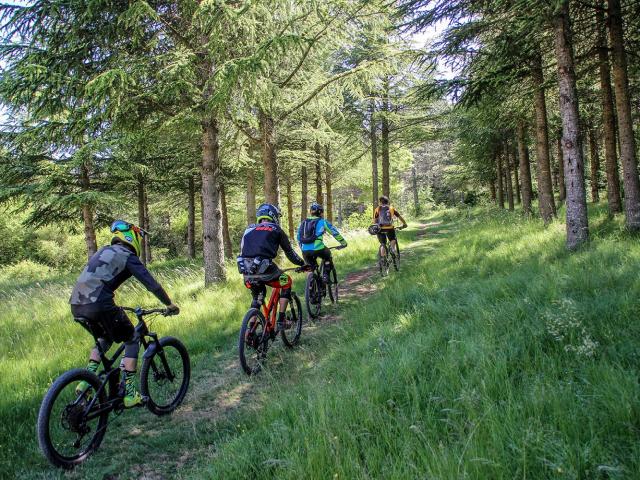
259,247
310,234
383,217
92,297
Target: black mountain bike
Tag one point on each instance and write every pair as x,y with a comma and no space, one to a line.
384,252
72,423
316,290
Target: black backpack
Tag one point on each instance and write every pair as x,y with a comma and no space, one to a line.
308,230
384,216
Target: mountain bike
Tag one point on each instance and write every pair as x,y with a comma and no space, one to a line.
72,424
259,328
384,252
316,290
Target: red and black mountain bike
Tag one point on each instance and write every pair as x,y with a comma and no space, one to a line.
259,328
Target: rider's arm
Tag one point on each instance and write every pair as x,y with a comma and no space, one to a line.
299,233
138,270
404,223
291,254
336,234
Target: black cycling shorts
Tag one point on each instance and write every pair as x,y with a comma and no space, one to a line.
110,323
310,256
387,234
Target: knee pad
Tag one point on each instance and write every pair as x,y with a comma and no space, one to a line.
131,349
285,293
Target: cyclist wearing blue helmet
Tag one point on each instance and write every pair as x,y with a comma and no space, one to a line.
259,246
310,235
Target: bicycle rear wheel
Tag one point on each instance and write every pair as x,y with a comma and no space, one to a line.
291,336
253,341
383,261
164,377
333,286
70,427
313,295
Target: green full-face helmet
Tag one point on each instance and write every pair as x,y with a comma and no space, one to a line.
128,233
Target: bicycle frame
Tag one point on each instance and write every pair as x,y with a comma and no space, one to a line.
269,310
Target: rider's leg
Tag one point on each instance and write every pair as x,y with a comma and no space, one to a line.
325,255
123,331
285,283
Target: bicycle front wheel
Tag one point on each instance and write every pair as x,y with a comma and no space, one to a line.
164,377
333,285
71,421
313,296
291,336
253,342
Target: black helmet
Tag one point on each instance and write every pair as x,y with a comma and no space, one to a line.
316,208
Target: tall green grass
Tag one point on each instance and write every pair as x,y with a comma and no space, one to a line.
493,354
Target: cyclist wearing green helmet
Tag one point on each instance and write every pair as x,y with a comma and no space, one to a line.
93,298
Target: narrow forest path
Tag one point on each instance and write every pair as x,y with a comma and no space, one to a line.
219,391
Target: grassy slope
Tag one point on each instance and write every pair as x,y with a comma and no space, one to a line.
495,354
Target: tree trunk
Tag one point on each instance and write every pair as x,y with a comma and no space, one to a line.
562,189
595,166
191,222
87,214
514,167
268,139
141,217
319,195
525,170
373,137
492,188
498,161
546,201
251,195
625,126
290,220
147,227
213,242
304,206
577,221
614,200
508,178
226,237
327,181
414,187
386,186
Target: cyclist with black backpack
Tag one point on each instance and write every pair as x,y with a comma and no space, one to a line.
310,235
383,217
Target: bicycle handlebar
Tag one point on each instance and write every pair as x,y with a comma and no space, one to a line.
139,311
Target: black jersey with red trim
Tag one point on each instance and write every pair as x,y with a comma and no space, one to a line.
262,240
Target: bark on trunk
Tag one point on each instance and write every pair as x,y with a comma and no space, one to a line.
625,126
319,195
414,187
525,170
226,237
213,243
141,215
386,184
304,206
328,210
268,139
147,227
577,221
608,117
251,195
498,161
508,177
562,188
492,188
514,167
546,201
191,222
373,137
87,214
595,166
290,220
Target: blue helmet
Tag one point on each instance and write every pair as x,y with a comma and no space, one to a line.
316,208
269,212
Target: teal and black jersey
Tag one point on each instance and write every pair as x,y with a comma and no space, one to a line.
320,226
